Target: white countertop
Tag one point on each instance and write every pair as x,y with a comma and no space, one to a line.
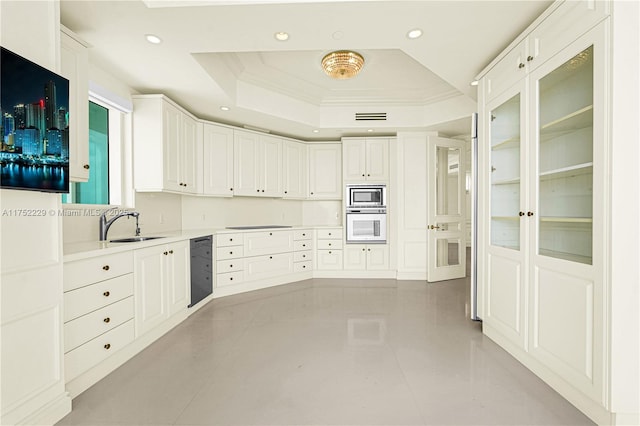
88,249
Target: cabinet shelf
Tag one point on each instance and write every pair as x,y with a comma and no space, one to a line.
566,256
569,171
576,120
511,181
559,219
513,142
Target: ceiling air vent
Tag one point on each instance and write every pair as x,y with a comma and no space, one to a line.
371,116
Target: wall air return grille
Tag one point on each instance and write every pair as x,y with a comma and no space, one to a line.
371,116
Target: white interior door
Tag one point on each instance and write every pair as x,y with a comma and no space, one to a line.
446,220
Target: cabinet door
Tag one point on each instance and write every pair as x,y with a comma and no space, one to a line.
354,159
511,69
150,281
246,164
270,166
294,169
268,266
74,61
178,260
172,134
325,171
218,160
329,260
191,158
377,257
355,257
506,207
377,161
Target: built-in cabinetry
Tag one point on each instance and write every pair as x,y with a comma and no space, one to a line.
217,168
98,310
325,171
366,257
302,250
165,134
329,249
294,170
365,159
543,168
229,264
162,276
257,164
74,65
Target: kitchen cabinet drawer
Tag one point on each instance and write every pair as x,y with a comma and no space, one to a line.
230,265
87,299
268,242
331,234
329,244
225,240
263,267
302,245
302,234
233,252
302,256
329,260
88,271
229,278
302,266
87,327
91,353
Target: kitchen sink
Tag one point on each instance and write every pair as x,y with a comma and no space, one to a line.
133,239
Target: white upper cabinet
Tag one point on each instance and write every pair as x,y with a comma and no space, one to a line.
74,60
257,165
217,146
295,174
167,145
325,171
365,159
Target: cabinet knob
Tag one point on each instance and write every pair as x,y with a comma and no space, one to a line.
230,189
521,214
170,251
230,239
230,278
270,233
107,346
304,255
304,266
270,257
304,245
263,190
105,267
166,253
257,190
368,249
312,193
106,294
363,175
304,235
520,65
529,58
329,233
285,192
107,320
86,167
230,266
362,249
230,252
368,175
329,244
329,252
529,213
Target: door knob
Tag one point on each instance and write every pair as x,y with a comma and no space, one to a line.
434,227
529,213
521,214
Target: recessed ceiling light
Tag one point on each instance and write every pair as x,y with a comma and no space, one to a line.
225,108
414,33
474,83
369,130
152,38
281,36
316,131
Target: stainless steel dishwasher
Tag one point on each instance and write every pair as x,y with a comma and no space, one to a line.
201,268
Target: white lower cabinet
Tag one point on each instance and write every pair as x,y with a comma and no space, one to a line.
329,249
229,259
268,266
366,257
98,310
162,277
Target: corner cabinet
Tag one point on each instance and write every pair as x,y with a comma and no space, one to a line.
217,147
294,170
74,60
325,171
167,146
543,172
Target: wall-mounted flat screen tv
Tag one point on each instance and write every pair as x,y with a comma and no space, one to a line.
34,103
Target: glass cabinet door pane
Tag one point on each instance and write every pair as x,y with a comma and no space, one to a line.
565,175
505,174
448,181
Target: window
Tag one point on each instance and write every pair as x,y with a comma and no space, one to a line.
105,157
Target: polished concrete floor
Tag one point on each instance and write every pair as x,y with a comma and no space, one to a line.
327,352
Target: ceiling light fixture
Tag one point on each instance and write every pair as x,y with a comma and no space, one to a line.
474,83
369,130
342,64
225,108
153,39
316,131
281,36
414,33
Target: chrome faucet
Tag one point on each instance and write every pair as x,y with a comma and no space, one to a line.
106,224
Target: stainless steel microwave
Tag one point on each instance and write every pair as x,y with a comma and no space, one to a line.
359,196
